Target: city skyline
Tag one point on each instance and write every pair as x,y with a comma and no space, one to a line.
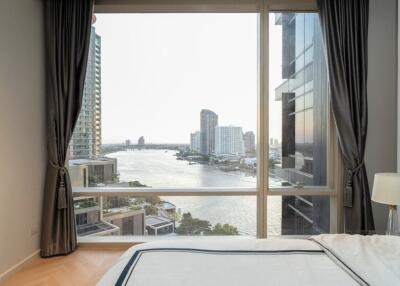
214,139
153,62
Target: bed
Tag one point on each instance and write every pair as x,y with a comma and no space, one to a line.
321,260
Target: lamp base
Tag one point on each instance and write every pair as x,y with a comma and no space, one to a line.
393,222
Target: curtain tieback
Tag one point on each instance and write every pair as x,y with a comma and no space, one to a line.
62,196
348,192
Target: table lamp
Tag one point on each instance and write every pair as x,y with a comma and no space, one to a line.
386,190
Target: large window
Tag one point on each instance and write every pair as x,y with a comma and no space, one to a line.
172,137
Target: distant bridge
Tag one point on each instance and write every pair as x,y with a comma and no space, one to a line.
110,148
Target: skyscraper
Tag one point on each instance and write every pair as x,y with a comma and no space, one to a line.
304,119
86,139
195,141
141,141
249,142
208,122
229,140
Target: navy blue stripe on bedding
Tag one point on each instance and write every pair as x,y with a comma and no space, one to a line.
340,261
128,269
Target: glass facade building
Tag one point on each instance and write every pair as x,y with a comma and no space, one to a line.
195,141
249,143
229,141
86,139
208,122
303,93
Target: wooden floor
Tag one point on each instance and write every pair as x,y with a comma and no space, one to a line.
83,267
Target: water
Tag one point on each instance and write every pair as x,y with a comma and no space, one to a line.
159,168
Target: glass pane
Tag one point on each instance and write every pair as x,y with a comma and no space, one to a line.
298,101
115,215
309,100
297,20
309,24
170,100
298,215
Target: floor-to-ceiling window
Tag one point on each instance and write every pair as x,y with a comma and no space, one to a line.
204,124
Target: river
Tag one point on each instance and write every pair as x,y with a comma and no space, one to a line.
160,168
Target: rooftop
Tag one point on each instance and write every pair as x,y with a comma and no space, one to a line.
166,205
91,162
157,221
95,228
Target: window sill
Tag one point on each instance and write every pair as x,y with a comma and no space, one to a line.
128,241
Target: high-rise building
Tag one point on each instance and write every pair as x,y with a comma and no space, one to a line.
208,122
86,139
95,216
249,142
229,140
195,141
141,141
304,119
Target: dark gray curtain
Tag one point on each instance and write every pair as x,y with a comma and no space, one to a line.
345,28
67,36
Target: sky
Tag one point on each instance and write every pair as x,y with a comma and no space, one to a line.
159,70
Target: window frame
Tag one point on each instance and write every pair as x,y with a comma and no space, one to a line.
262,191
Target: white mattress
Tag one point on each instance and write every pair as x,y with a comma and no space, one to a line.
251,262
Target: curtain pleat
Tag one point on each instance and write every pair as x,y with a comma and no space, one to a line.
345,29
67,37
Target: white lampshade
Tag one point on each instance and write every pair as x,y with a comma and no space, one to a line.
386,188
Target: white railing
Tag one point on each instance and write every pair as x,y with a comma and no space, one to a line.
203,191
140,192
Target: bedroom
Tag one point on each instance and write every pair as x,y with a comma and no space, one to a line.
244,141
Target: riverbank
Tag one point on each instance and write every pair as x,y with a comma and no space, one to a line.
161,169
222,164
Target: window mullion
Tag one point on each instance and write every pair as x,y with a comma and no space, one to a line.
263,122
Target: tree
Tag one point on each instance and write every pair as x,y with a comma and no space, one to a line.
153,200
139,201
93,180
136,184
272,162
115,177
224,229
192,226
122,202
149,200
87,204
151,210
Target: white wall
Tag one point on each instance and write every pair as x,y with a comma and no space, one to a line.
22,129
381,150
398,95
398,88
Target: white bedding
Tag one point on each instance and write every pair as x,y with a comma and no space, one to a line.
375,258
329,260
